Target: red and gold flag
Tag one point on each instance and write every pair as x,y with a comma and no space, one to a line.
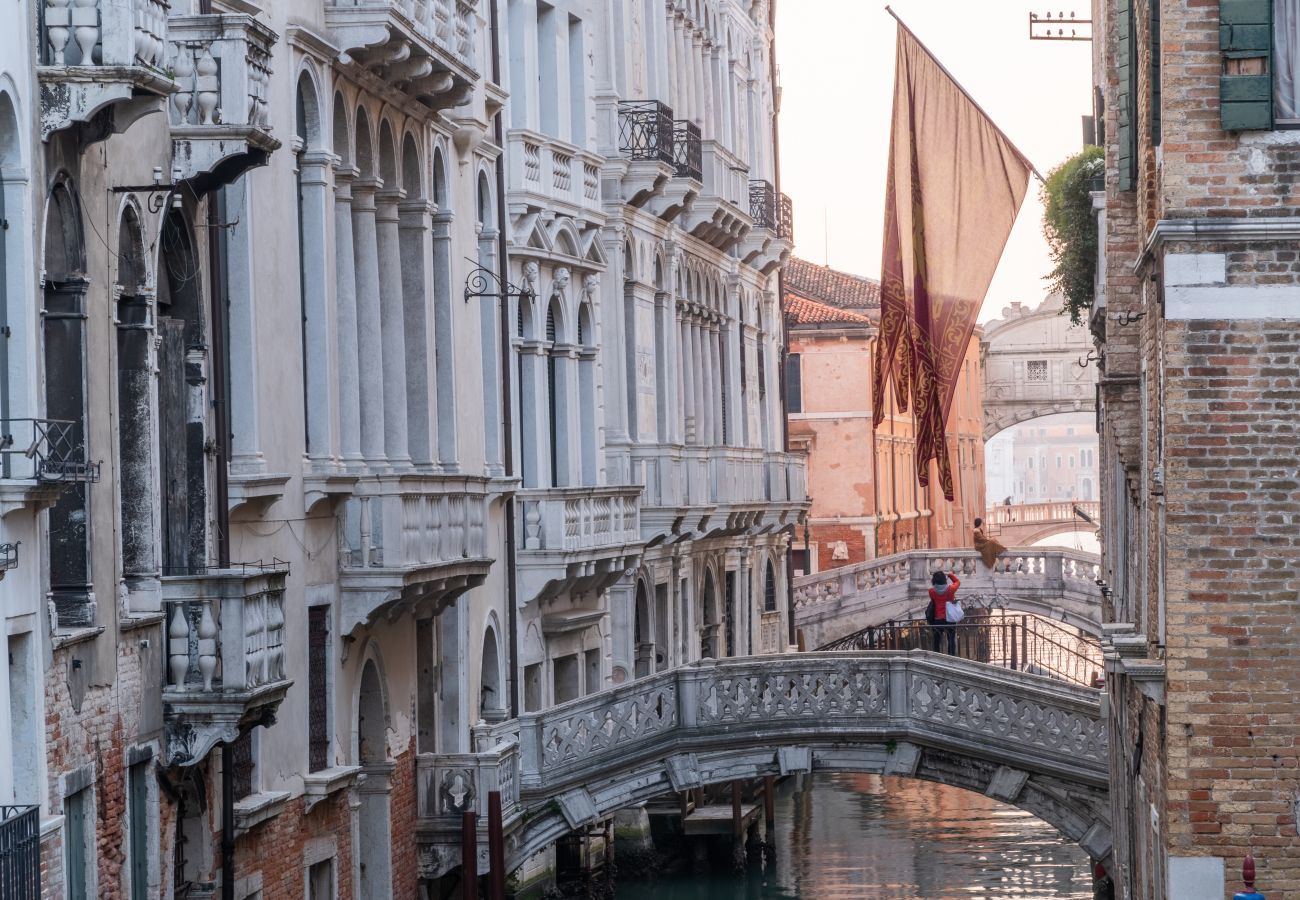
954,186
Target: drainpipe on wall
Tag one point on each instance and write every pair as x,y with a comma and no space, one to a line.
507,417
791,635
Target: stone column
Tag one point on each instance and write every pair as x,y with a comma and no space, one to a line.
392,319
686,392
246,451
313,186
444,345
370,343
416,249
345,318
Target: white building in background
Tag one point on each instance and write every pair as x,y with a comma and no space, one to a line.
298,509
643,218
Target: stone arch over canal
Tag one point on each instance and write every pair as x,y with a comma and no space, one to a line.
1032,742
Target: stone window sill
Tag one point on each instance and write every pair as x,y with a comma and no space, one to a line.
321,785
257,808
64,639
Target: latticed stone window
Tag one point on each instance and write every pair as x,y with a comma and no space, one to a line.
1036,371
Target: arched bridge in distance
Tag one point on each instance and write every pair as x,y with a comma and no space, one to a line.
1025,524
1034,742
1052,583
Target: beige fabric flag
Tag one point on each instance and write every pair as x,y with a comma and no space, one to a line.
954,186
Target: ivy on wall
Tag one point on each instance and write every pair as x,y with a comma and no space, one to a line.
1071,227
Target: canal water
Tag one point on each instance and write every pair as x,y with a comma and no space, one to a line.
845,837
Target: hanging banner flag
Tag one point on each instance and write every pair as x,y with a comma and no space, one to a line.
954,186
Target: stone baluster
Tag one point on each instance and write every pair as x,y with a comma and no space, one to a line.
255,655
207,86
532,526
207,644
178,646
58,22
183,75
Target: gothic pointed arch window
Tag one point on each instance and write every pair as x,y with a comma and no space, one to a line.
135,468
182,365
587,380
64,318
553,386
488,327
769,588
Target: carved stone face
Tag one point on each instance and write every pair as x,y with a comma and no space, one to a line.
531,271
590,283
561,278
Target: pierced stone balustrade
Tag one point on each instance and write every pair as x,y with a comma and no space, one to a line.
225,656
424,48
1038,743
577,539
448,785
1056,584
222,68
411,540
96,54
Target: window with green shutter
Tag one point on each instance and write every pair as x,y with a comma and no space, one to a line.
1155,71
1125,113
1246,84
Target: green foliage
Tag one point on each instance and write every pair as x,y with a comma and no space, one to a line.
1071,228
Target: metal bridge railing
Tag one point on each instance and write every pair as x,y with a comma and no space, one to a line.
1022,643
20,852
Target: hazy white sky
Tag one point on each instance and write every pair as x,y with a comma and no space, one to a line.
837,79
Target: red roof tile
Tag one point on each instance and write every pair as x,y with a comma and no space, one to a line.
827,285
802,311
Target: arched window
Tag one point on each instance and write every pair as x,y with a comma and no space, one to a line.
587,392
769,589
65,398
488,329
415,225
135,406
313,205
182,429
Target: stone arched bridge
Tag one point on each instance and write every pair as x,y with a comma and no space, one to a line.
1025,524
1034,742
1055,584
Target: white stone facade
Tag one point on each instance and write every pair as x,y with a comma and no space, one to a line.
316,511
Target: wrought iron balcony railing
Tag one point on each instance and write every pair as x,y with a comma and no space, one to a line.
645,131
688,152
20,852
50,450
785,217
762,204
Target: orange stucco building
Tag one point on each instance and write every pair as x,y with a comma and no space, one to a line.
865,498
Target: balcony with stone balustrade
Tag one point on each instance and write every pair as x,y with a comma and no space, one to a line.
410,543
576,540
102,60
547,174
423,48
712,491
449,785
220,128
225,655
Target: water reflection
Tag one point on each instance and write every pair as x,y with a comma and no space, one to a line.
863,836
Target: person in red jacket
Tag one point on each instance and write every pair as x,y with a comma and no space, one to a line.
943,590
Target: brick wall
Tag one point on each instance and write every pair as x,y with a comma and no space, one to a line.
276,848
1233,555
826,535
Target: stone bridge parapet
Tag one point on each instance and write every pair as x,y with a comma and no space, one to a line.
1035,742
1054,583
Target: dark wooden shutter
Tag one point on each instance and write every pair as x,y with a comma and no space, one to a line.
1246,33
793,384
318,696
1125,113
